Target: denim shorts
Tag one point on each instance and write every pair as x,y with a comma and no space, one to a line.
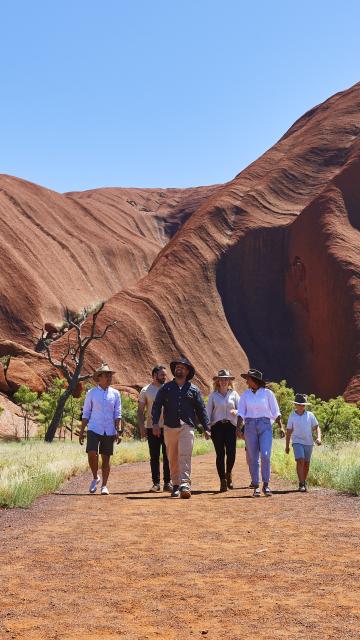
302,451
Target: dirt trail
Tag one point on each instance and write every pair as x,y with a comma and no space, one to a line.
142,567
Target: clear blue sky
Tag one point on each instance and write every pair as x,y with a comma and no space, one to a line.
162,92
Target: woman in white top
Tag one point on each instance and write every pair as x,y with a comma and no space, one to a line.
257,409
222,411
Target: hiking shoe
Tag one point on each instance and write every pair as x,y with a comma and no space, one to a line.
93,484
104,491
167,487
175,491
302,487
229,481
266,490
223,485
155,488
252,485
256,493
185,491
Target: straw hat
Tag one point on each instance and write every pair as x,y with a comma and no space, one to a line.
225,374
104,368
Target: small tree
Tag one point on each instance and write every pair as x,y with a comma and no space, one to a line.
72,361
27,400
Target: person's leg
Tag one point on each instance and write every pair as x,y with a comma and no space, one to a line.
230,447
92,448
105,468
217,436
300,470
154,449
253,450
93,458
299,455
308,453
171,437
166,468
186,444
265,444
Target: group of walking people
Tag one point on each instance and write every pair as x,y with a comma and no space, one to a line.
169,412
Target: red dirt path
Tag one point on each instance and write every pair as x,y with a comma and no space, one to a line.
143,567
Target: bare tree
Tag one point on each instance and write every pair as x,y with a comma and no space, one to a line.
73,357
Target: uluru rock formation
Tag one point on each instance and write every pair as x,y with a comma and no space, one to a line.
263,270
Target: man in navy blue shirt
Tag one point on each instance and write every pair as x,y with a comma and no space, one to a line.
183,408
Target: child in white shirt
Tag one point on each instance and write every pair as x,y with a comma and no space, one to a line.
300,427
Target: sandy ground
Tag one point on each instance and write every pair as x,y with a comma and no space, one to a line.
141,566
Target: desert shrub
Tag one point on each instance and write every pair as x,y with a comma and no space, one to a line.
27,401
47,404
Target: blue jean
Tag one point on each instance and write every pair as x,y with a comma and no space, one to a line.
258,439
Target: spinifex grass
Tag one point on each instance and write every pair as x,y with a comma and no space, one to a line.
334,466
33,468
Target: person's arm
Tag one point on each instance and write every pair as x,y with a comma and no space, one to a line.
202,415
289,431
209,408
141,413
316,428
240,419
86,413
275,411
156,412
117,418
278,420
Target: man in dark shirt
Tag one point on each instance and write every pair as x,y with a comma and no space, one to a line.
183,408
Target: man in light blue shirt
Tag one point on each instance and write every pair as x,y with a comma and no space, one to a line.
102,416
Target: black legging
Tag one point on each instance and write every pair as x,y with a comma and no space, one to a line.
223,435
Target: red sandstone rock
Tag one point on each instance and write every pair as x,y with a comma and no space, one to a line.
264,269
4,388
19,373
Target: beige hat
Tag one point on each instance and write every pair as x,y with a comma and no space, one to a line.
103,369
224,373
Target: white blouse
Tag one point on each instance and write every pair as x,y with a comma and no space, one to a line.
261,404
220,407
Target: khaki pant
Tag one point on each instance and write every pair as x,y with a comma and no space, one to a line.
179,445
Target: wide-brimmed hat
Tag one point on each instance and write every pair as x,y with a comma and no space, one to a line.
253,373
225,374
103,369
300,398
186,363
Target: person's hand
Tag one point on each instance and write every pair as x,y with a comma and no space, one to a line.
207,435
233,412
287,449
239,433
318,441
156,430
118,437
282,432
143,434
81,437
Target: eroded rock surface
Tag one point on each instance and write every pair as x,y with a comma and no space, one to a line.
263,270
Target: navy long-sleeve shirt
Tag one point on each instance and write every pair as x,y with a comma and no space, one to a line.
180,405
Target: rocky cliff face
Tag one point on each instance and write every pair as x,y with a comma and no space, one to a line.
263,270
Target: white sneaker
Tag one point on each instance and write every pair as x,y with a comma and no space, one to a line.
104,491
93,484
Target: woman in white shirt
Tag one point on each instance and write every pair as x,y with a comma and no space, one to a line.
257,409
222,411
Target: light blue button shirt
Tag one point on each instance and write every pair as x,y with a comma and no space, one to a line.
102,407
